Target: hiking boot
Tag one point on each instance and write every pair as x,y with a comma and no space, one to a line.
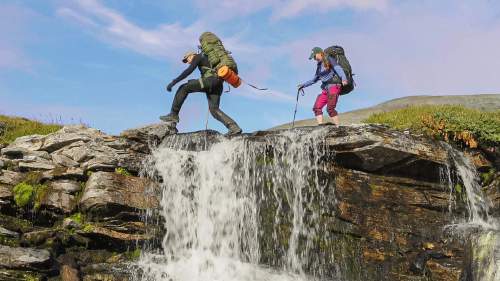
233,130
172,117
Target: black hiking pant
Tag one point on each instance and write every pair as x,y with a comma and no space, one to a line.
213,88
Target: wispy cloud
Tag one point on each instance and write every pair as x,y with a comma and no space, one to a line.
288,9
166,40
418,48
282,9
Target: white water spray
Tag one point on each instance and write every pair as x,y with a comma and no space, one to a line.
210,205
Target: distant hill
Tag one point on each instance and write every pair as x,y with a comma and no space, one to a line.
482,102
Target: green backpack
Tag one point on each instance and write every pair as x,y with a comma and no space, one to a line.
338,53
217,55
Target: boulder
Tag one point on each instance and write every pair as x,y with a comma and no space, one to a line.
23,144
64,161
10,177
105,238
36,164
108,193
64,173
23,153
69,135
379,150
24,258
150,134
78,151
66,186
60,196
7,233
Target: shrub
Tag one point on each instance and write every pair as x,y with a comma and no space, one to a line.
448,122
15,127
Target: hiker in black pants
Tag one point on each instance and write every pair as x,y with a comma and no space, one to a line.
209,83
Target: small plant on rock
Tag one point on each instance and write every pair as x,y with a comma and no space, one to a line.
123,172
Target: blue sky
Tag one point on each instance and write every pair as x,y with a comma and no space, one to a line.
106,62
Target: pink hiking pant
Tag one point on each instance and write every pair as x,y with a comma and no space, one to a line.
329,96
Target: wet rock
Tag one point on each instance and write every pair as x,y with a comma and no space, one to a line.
18,275
38,237
24,258
8,233
149,134
482,260
69,271
104,238
16,224
379,150
110,193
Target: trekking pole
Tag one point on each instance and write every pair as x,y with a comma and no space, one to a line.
296,104
206,120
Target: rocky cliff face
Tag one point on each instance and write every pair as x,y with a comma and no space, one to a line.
373,204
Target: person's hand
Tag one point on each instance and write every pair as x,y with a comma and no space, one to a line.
170,86
345,83
300,86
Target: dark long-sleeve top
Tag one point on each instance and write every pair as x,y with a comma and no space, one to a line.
200,61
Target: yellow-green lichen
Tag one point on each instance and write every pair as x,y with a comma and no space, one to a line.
123,172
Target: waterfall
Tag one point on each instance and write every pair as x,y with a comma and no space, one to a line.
477,204
210,206
481,231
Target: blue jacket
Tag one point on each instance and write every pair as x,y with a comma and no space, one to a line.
326,76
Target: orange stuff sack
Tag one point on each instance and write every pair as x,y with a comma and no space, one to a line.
229,76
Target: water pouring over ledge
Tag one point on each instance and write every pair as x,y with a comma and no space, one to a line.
215,230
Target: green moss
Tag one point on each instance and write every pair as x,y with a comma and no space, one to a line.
488,177
448,122
123,172
26,193
23,193
8,241
29,277
17,127
78,218
133,255
88,228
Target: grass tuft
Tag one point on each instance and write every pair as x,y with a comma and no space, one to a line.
448,122
13,127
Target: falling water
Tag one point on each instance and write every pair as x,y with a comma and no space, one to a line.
480,229
477,204
210,205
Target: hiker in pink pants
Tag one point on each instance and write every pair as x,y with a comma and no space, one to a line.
332,77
